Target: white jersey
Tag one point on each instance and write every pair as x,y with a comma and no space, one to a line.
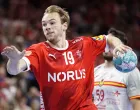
113,90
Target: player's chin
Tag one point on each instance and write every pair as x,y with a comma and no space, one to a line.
51,39
108,58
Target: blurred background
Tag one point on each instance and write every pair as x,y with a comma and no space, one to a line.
20,25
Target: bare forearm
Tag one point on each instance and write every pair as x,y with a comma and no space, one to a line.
137,107
14,67
113,41
136,104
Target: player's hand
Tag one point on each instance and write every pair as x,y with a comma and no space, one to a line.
13,53
121,48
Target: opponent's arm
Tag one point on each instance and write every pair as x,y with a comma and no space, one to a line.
133,88
135,104
15,64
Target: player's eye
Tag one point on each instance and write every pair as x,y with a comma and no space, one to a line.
44,24
52,22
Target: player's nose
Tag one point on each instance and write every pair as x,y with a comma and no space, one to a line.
48,27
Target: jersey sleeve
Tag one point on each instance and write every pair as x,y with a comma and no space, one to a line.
31,59
100,44
133,84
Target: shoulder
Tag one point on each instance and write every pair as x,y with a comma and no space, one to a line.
98,67
77,39
81,39
88,38
136,70
134,73
36,46
94,38
133,76
99,37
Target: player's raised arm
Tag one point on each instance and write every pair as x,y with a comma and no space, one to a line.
115,42
15,63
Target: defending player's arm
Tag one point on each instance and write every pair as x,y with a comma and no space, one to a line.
115,42
15,63
133,88
136,104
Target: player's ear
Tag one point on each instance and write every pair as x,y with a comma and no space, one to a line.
65,26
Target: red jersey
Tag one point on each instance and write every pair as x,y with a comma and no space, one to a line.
65,76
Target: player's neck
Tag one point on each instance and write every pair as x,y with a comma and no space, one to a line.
61,43
108,63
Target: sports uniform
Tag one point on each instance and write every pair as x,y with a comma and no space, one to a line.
113,90
65,76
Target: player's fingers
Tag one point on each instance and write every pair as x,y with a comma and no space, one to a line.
5,54
14,48
115,53
7,49
23,52
123,50
118,49
127,47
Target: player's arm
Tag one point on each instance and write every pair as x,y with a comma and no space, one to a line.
135,104
15,64
114,42
133,88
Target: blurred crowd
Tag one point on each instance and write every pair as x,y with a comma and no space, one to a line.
20,25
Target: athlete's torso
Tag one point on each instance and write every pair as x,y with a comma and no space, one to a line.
66,76
110,89
67,79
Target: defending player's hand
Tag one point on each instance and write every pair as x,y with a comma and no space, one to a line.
121,48
13,53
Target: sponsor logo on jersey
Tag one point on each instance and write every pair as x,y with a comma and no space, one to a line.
41,102
101,37
79,54
101,82
66,76
117,93
52,55
28,53
77,40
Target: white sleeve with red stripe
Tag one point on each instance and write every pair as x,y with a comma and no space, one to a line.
133,84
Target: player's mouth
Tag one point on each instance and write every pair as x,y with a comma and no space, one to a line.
50,33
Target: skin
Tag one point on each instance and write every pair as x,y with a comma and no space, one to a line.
54,30
55,33
108,63
135,104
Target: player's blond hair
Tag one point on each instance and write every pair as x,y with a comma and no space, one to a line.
64,16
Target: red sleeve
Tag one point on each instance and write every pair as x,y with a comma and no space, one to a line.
32,58
99,44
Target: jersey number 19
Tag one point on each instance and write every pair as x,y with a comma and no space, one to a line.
68,57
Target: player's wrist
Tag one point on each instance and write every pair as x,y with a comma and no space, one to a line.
14,59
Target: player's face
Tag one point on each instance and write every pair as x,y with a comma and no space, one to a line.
52,27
